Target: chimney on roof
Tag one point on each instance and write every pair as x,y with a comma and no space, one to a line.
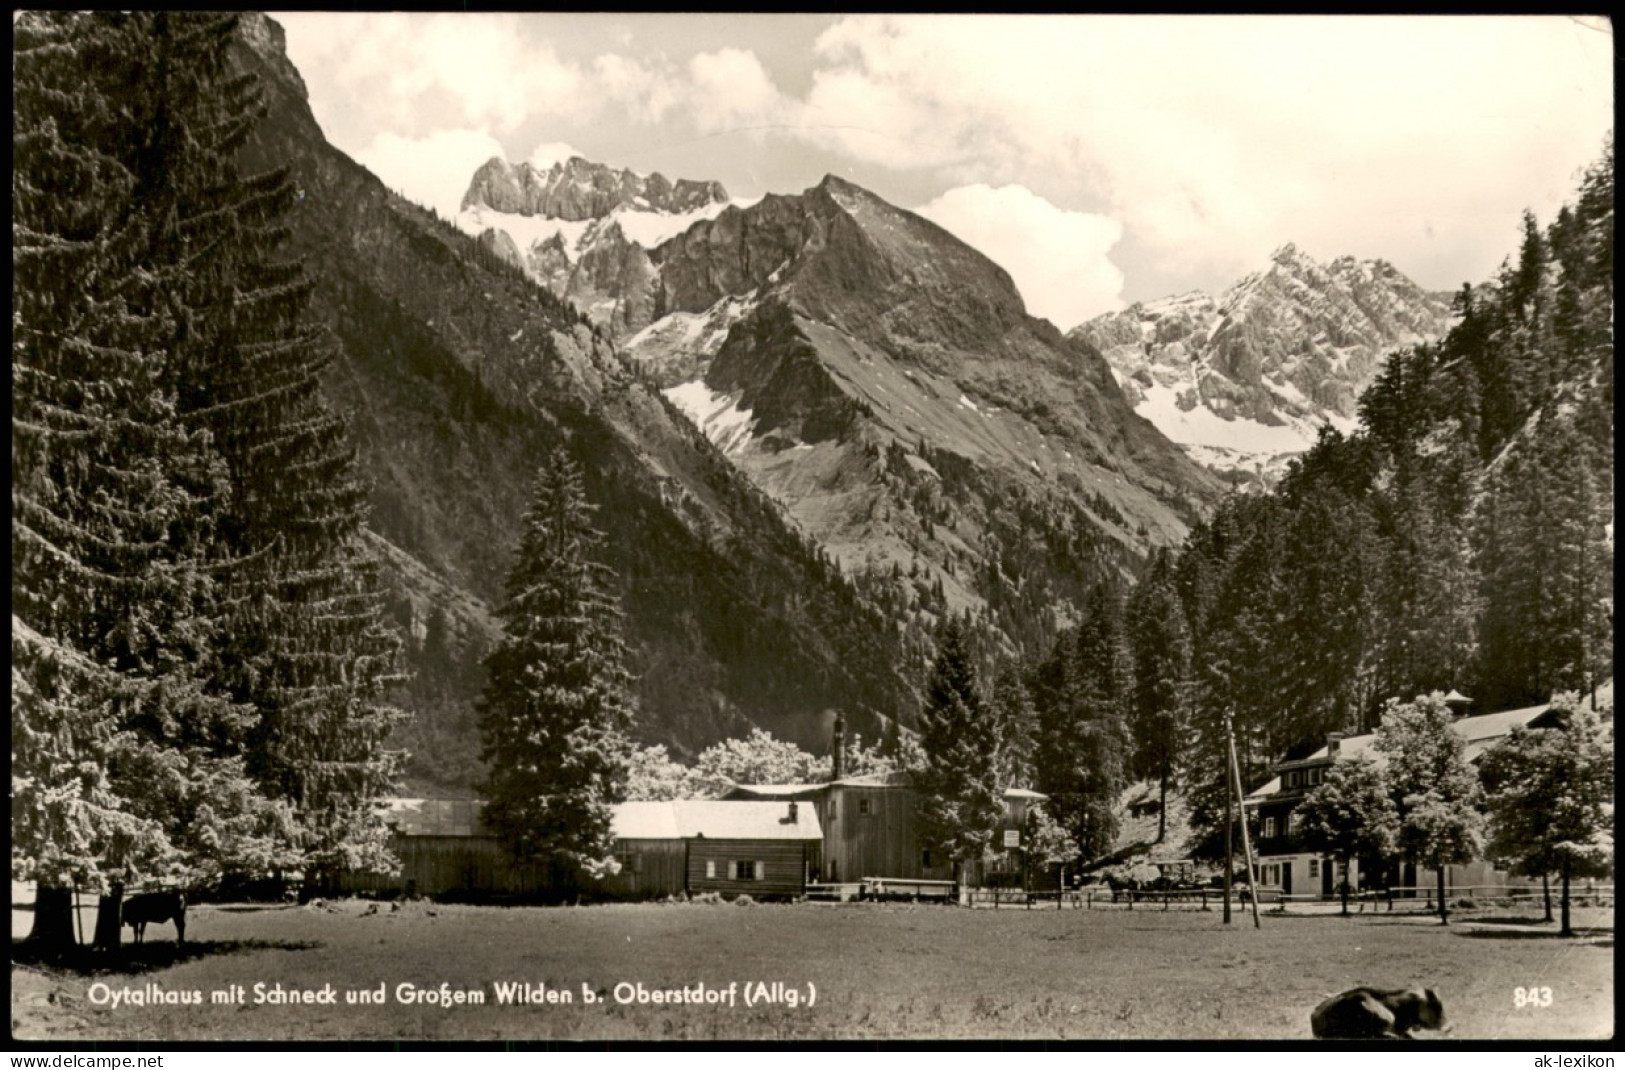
1334,743
838,747
793,819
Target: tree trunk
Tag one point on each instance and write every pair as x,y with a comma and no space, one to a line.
53,919
1343,887
1566,930
1546,893
109,919
1444,911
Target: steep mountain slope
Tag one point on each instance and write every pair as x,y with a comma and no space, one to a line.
459,373
883,381
1246,380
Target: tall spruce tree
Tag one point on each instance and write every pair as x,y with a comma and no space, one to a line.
128,755
1083,751
1160,647
308,646
960,797
556,711
1016,719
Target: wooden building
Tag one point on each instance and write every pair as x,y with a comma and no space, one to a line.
871,829
445,851
766,849
760,848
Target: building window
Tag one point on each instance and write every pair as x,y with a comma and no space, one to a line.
1314,868
832,810
863,806
1286,825
710,869
747,871
1269,828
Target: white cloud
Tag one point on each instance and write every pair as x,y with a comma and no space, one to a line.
1212,140
472,70
549,153
645,93
1058,259
1215,139
731,89
434,170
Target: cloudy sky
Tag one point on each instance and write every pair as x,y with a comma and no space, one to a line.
1100,159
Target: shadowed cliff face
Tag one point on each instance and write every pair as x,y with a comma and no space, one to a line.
458,375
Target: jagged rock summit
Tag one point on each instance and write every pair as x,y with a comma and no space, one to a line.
576,189
1244,381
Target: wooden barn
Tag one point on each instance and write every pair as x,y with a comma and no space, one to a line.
766,849
445,851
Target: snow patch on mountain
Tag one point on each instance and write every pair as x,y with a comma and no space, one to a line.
527,231
640,226
717,415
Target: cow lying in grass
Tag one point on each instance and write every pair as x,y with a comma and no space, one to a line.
155,908
1362,1013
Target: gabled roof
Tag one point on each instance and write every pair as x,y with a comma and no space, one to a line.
434,817
1481,733
714,819
896,779
775,791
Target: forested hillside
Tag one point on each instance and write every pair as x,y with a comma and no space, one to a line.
1461,538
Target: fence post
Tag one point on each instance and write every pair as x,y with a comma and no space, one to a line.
1204,898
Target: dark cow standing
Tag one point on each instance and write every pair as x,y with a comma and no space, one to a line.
155,908
1362,1013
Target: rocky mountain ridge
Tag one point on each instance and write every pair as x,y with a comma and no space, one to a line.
1245,380
577,189
883,382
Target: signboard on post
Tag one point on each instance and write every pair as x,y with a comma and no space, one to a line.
1012,837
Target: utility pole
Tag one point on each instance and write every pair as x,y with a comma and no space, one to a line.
1228,850
1246,841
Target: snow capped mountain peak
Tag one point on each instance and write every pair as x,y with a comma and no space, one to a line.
584,229
1246,380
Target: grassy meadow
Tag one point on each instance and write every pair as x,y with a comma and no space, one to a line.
875,972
